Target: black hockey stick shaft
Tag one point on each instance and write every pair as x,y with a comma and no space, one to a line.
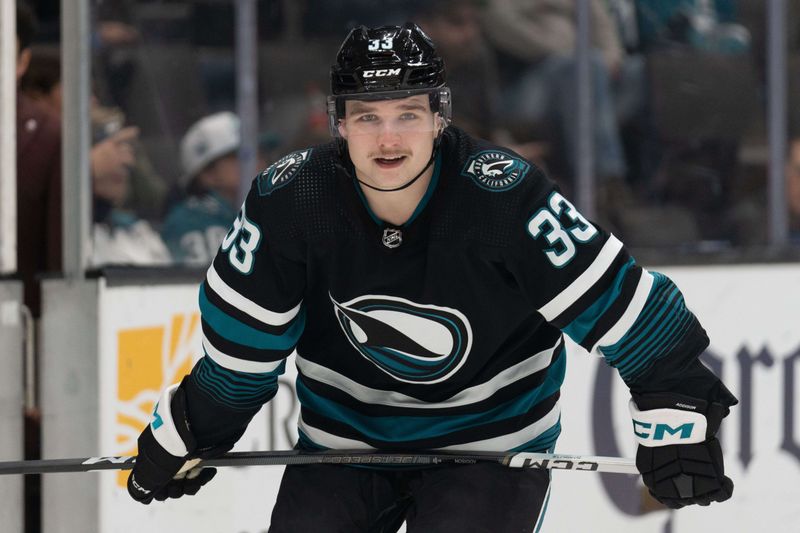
344,457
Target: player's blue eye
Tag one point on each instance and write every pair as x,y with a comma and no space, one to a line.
367,118
408,116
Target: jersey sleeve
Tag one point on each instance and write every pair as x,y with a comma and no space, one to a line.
252,315
582,280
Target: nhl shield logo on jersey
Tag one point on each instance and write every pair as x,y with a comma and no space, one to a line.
494,170
282,171
413,343
392,237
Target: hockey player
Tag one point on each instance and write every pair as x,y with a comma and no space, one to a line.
426,279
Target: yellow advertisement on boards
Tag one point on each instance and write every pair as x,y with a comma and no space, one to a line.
149,338
149,359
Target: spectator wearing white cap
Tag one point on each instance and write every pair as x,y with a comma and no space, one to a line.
194,228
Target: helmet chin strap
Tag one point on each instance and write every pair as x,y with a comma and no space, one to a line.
408,183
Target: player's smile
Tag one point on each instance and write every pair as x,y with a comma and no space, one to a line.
389,162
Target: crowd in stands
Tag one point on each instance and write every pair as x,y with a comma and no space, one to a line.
677,88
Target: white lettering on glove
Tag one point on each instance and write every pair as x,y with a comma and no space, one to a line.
664,427
138,487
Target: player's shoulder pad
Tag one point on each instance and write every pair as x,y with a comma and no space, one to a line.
286,169
490,167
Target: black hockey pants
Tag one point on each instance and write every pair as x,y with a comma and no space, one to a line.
483,497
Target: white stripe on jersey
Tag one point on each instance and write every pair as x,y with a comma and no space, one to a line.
584,282
323,438
239,365
512,440
246,305
503,442
613,335
475,394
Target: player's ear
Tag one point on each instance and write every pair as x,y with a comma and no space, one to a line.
342,129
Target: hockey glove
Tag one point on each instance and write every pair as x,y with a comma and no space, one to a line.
679,457
164,467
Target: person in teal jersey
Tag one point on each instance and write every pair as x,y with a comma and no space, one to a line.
194,228
425,281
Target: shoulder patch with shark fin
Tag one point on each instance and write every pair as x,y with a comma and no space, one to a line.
494,170
282,171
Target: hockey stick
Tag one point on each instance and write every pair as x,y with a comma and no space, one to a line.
343,457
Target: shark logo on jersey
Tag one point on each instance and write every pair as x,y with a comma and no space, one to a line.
494,170
413,343
282,171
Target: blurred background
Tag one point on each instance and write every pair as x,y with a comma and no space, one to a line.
140,124
667,142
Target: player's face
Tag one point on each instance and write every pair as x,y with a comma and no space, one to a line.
389,141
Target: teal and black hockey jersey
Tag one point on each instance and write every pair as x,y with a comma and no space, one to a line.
443,333
194,228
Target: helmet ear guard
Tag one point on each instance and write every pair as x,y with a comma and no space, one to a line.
444,107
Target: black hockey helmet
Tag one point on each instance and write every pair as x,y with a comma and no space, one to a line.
385,63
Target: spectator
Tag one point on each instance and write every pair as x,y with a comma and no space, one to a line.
707,25
38,176
111,138
535,45
147,189
118,235
194,229
38,223
42,78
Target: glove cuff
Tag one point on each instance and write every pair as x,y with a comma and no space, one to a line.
667,426
169,425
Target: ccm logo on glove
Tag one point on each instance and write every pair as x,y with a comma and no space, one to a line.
662,427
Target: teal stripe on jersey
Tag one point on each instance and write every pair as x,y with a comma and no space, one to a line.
410,428
660,300
679,325
544,442
398,366
236,389
235,331
583,323
662,323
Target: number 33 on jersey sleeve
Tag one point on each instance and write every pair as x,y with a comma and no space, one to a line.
583,281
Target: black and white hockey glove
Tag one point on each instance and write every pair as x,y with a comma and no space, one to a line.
679,457
166,464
